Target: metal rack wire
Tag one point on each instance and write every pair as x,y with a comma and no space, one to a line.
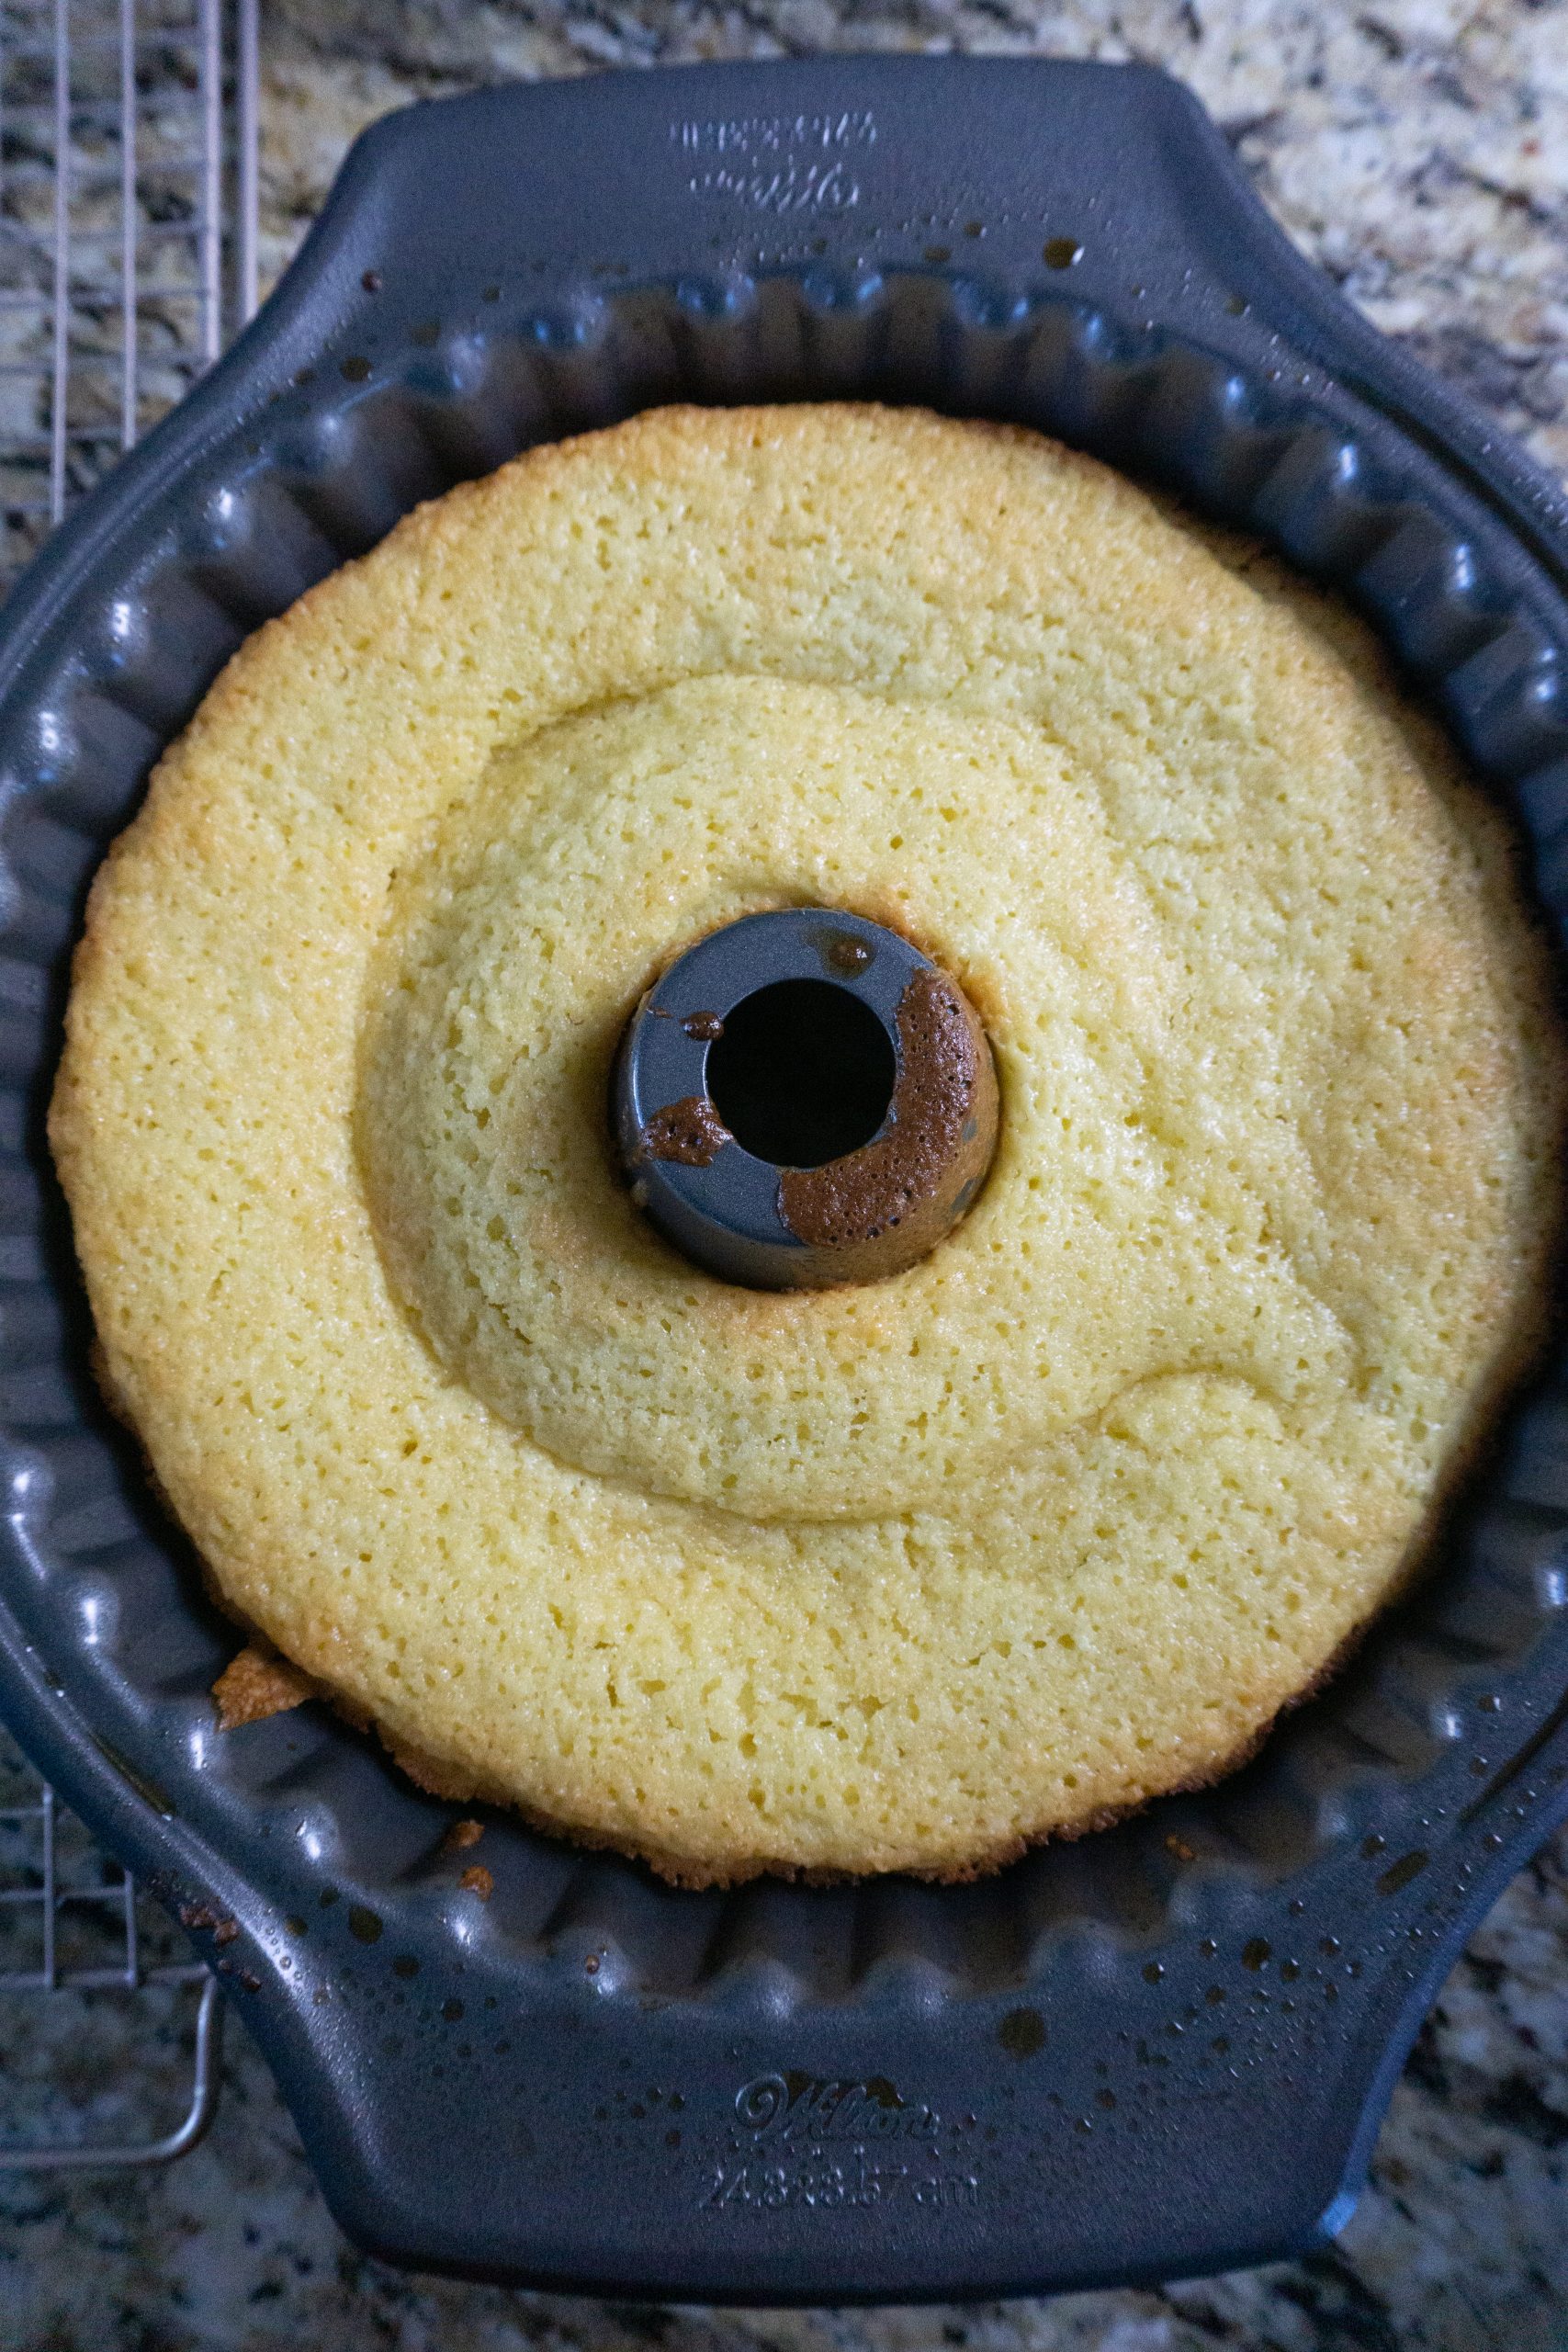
127,257
72,1922
127,231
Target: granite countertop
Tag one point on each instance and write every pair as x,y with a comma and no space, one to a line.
1419,151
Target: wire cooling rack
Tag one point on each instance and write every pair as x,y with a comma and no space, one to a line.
128,257
127,231
75,2081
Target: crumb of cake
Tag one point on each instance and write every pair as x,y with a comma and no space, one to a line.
256,1684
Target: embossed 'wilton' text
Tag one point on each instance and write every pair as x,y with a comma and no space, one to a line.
777,163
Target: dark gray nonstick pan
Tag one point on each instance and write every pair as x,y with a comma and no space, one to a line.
1164,2049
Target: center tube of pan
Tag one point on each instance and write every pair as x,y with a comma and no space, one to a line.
805,1099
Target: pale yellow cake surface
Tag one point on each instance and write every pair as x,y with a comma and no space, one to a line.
895,1577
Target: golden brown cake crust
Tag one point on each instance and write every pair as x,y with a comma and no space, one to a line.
258,1683
905,1577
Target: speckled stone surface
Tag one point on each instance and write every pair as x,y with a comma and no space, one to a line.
1419,151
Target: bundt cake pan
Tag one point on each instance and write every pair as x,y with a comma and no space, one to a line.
1164,2049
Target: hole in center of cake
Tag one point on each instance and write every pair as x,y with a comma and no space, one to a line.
802,1073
